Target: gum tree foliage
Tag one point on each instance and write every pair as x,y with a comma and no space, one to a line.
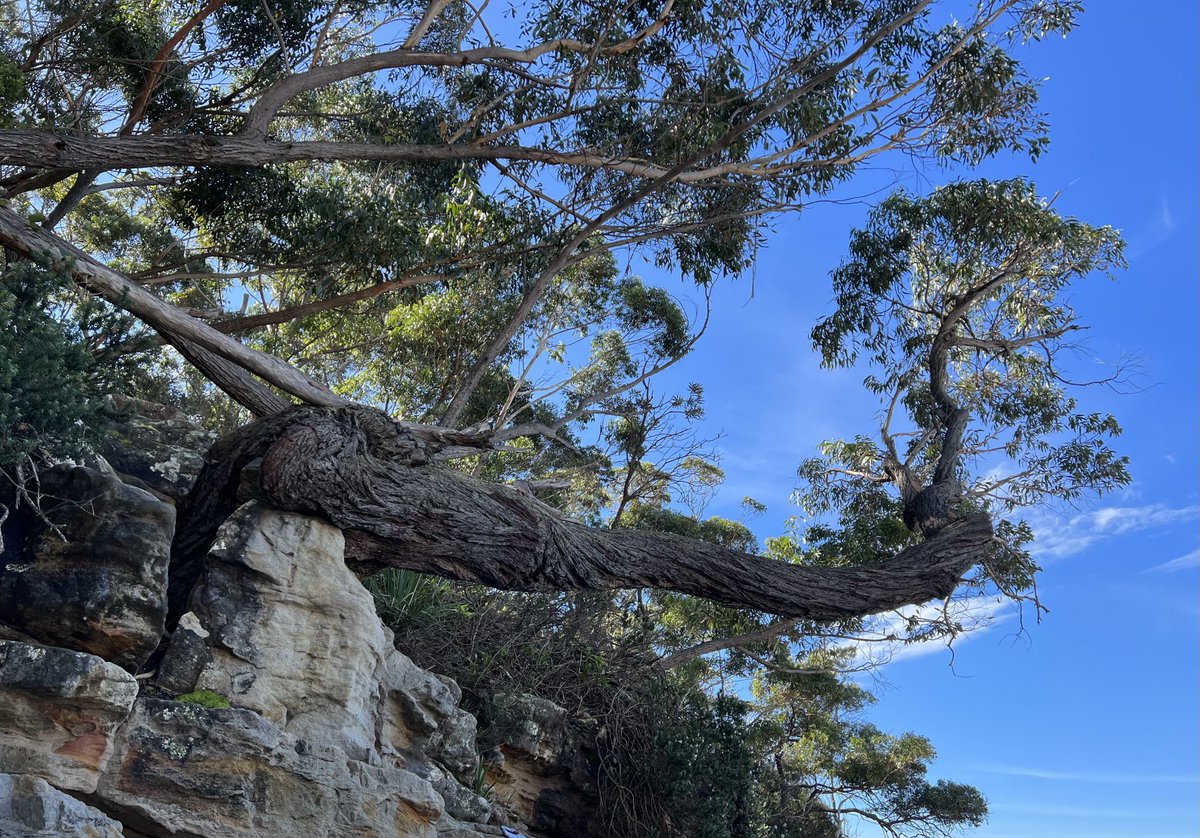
419,221
420,207
824,770
957,302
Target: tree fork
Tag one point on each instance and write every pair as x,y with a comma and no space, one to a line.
379,482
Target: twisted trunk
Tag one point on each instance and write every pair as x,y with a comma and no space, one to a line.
380,484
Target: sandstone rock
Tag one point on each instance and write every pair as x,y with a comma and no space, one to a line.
154,446
420,717
292,633
231,773
536,728
332,732
59,711
542,767
98,584
29,807
460,802
187,656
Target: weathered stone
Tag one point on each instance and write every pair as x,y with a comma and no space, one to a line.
186,657
154,446
332,732
94,581
29,807
448,827
421,719
231,773
536,728
453,744
59,711
293,634
543,766
460,802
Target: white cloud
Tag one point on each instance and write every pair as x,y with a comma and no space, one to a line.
1089,776
976,615
1059,538
1153,232
1166,221
1189,561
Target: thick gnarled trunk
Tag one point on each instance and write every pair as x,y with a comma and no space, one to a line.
398,508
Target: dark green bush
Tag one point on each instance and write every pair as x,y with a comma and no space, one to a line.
57,362
46,375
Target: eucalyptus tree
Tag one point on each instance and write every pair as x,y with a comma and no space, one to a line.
956,305
422,201
825,772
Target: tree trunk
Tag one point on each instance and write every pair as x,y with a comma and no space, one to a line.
380,484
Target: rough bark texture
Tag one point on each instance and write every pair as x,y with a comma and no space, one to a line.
379,484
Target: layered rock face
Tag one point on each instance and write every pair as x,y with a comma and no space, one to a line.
154,447
544,766
330,730
60,712
30,806
279,707
89,573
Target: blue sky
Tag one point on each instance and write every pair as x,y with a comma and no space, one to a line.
1084,725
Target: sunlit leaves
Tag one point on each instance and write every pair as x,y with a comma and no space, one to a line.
973,279
818,750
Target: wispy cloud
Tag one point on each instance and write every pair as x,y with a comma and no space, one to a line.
976,615
1089,776
1156,230
1058,538
1189,561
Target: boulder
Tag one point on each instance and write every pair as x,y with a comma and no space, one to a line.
331,730
29,807
420,720
460,802
59,713
231,773
279,625
154,446
291,632
90,572
188,655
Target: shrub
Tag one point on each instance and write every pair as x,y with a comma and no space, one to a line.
44,373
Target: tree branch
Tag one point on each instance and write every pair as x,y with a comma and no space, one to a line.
173,324
286,315
758,635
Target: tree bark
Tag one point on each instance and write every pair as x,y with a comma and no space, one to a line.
40,149
231,379
379,483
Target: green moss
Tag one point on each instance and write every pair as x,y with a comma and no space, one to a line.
205,698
